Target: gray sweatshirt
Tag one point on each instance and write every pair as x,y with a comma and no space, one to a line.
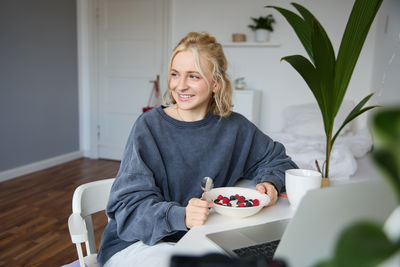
163,164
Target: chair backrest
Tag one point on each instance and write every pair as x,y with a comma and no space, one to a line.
91,197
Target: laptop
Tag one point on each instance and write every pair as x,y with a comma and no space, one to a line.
310,236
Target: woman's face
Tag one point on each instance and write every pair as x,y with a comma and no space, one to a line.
189,89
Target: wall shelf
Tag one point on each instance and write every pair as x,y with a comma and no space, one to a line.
250,44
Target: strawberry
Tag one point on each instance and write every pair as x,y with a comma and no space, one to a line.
220,197
256,202
241,204
225,200
241,198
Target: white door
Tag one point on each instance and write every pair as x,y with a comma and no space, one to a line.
131,41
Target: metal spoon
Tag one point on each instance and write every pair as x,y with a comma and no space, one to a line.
206,184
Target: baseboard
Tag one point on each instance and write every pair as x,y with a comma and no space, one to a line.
89,154
39,165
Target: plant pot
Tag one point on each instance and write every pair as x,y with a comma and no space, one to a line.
325,182
261,36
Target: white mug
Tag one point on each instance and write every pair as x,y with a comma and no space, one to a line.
298,182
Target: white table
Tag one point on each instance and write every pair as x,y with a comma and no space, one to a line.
195,241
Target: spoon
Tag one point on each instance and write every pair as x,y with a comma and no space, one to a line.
206,184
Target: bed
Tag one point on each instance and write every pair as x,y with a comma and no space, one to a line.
304,138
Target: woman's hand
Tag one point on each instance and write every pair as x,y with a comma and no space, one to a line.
270,190
197,212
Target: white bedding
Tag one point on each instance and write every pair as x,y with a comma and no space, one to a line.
305,142
347,148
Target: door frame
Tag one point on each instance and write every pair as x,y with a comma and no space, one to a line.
88,90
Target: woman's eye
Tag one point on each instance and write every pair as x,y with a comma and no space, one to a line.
195,77
173,74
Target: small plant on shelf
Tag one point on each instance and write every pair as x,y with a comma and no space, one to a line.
263,23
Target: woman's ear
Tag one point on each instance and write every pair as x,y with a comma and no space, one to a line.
214,87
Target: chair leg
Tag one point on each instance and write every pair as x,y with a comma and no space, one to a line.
80,255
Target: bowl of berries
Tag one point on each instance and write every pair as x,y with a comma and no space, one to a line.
237,202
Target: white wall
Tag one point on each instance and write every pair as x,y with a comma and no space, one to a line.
281,85
386,78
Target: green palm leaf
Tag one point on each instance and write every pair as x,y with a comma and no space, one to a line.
301,27
327,76
357,28
357,110
386,126
308,17
307,70
324,58
361,244
388,166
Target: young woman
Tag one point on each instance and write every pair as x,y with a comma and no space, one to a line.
156,196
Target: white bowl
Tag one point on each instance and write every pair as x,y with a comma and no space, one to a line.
237,212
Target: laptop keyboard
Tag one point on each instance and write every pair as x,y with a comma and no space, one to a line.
265,249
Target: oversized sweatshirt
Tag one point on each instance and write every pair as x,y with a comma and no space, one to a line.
162,167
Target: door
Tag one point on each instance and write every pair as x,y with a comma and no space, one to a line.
131,41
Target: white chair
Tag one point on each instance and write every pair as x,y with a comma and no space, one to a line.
88,198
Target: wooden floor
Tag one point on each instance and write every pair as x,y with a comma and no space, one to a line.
34,211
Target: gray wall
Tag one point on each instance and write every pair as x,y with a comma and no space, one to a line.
38,81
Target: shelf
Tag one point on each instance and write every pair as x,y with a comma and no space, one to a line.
249,44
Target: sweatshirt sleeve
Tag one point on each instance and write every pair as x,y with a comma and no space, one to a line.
136,202
267,161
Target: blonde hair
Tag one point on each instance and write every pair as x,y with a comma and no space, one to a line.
206,46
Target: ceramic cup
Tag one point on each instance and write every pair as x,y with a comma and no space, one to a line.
298,182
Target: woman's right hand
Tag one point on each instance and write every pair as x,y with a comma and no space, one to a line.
197,212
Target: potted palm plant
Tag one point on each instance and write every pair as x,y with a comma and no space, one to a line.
366,243
327,75
262,26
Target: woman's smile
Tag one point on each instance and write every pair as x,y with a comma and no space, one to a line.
185,97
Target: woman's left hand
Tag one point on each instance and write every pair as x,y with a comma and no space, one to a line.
270,190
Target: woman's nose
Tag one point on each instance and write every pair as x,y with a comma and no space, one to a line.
182,83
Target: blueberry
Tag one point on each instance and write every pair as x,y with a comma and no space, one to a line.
232,198
248,204
216,201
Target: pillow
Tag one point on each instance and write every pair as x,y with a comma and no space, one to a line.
306,119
